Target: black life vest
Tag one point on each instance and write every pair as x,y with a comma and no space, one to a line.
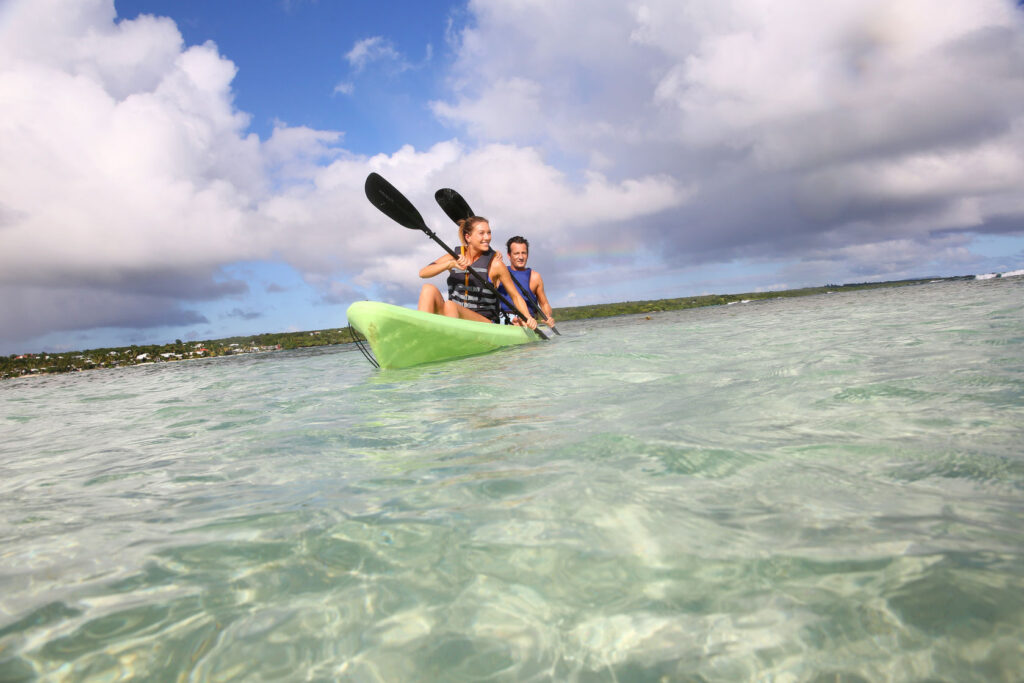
465,289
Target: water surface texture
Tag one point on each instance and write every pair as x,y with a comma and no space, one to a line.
826,488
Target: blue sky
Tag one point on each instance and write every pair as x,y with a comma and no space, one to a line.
193,170
291,56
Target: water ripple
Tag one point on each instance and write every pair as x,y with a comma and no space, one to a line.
814,489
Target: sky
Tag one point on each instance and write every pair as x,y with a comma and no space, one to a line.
194,169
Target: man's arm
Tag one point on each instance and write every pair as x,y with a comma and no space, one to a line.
499,274
537,287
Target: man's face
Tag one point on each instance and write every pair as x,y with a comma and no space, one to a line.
518,255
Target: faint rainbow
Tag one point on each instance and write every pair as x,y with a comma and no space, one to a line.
594,251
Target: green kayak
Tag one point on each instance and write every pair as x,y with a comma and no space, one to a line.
401,338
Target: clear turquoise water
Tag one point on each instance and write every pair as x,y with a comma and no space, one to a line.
827,488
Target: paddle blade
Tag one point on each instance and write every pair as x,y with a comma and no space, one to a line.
453,204
393,203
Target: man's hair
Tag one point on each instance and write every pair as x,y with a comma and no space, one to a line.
518,239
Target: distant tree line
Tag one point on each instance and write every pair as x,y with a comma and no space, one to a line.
72,361
660,305
18,365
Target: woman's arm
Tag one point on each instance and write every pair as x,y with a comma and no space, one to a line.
442,264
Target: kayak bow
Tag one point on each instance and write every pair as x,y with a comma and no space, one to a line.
402,338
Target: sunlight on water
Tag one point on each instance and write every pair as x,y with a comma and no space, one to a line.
815,489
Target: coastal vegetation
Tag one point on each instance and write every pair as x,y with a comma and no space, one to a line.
73,361
660,305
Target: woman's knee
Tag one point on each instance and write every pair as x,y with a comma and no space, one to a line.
430,299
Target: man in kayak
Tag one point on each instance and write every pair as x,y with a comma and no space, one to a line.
529,281
467,297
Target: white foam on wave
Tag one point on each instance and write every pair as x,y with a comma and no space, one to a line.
989,276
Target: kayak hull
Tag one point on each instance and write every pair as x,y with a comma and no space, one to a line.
402,338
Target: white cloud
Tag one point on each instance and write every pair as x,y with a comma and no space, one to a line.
784,120
374,49
514,187
507,109
128,179
646,134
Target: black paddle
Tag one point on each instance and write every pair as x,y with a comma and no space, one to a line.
452,203
457,208
395,206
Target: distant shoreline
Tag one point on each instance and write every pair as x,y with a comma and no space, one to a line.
680,303
37,364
